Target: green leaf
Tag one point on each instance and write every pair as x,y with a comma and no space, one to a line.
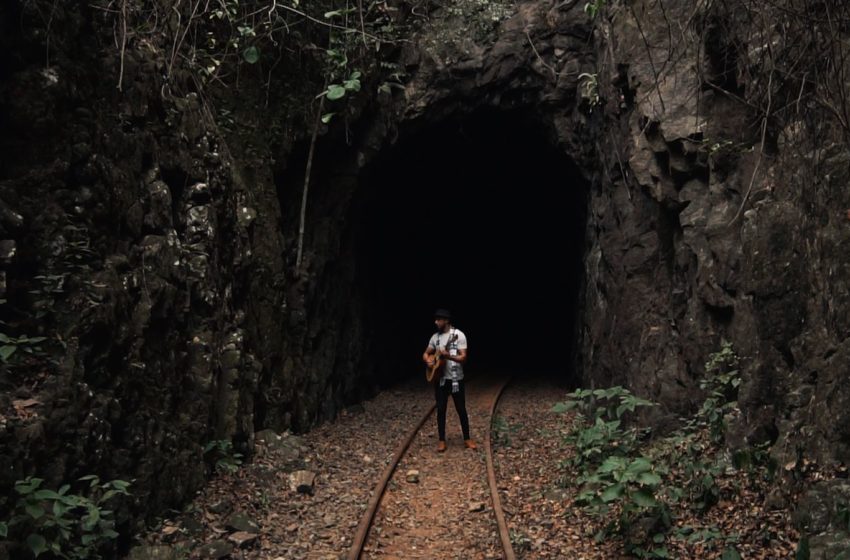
352,85
37,544
640,465
106,496
7,351
4,530
333,13
649,479
59,509
46,494
644,498
612,493
34,510
612,464
326,118
335,92
559,407
90,520
24,487
251,55
731,553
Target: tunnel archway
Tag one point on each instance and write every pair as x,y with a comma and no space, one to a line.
485,215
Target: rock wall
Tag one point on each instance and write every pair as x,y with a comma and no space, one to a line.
141,256
720,221
158,258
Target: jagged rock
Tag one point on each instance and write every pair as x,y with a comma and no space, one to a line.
241,522
154,552
215,550
243,539
303,482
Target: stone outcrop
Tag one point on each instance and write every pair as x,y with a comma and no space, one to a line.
166,259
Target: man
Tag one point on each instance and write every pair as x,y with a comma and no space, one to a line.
449,344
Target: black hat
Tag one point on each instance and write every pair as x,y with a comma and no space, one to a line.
442,314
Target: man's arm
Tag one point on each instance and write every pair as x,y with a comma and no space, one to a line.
460,358
428,355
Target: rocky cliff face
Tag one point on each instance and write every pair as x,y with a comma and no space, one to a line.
158,259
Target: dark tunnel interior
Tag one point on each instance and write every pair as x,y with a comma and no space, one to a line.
484,216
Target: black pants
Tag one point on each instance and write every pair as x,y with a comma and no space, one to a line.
459,398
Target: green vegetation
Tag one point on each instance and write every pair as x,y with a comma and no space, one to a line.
220,454
593,8
10,345
590,89
502,431
640,481
65,525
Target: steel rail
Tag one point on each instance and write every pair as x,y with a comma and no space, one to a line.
504,534
368,518
378,493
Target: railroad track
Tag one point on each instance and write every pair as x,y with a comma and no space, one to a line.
482,398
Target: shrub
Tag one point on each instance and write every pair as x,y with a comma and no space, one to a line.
71,526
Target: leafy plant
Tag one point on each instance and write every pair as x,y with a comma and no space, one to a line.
221,454
9,345
592,8
519,541
502,431
605,435
721,383
70,526
590,88
611,471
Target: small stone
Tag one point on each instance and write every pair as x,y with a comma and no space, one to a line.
243,539
157,552
476,506
191,526
243,523
221,506
412,476
303,482
215,550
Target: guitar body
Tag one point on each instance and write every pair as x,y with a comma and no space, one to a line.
432,371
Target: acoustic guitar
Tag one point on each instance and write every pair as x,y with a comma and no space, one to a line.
439,362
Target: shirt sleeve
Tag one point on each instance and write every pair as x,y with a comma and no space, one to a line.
461,341
433,342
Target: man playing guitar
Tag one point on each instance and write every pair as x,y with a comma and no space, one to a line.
444,357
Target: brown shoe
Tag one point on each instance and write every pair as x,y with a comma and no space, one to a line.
470,444
441,447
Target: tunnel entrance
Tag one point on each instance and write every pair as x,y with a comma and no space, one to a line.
484,215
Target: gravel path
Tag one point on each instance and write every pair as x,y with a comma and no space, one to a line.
446,512
256,514
537,496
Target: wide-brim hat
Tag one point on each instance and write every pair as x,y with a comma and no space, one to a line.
442,314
